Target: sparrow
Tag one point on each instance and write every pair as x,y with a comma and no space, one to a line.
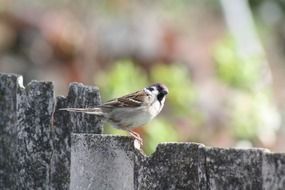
132,110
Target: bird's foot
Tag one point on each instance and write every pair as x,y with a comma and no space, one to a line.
138,140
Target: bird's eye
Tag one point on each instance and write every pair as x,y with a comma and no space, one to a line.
151,88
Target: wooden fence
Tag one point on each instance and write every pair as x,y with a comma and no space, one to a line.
70,151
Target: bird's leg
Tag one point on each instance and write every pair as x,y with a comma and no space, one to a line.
136,136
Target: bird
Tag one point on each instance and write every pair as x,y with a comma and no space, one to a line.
132,110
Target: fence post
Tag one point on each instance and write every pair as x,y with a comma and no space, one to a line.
173,166
79,96
102,162
232,168
34,110
9,86
273,171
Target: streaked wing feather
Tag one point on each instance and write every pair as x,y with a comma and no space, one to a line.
135,99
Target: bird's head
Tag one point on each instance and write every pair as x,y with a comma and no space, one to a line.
159,90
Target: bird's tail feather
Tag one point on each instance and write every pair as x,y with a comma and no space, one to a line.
94,111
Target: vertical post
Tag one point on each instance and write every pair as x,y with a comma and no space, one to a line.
173,166
102,162
234,168
65,123
9,86
34,150
273,171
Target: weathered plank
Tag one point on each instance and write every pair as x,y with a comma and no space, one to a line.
9,86
34,110
273,171
173,166
102,162
65,123
234,168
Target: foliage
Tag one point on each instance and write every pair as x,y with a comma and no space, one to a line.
159,130
252,110
234,70
182,92
123,78
254,116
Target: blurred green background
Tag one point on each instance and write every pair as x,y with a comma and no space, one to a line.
223,61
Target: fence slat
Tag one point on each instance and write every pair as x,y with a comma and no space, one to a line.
273,171
9,87
173,166
102,162
234,168
65,123
34,110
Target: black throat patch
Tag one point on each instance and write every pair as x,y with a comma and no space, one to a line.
160,96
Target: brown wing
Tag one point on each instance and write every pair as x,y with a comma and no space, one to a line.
135,99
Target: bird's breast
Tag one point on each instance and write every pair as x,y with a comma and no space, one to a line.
154,109
135,117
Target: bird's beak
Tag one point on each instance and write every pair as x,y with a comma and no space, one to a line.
164,92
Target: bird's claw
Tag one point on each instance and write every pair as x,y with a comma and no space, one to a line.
138,140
